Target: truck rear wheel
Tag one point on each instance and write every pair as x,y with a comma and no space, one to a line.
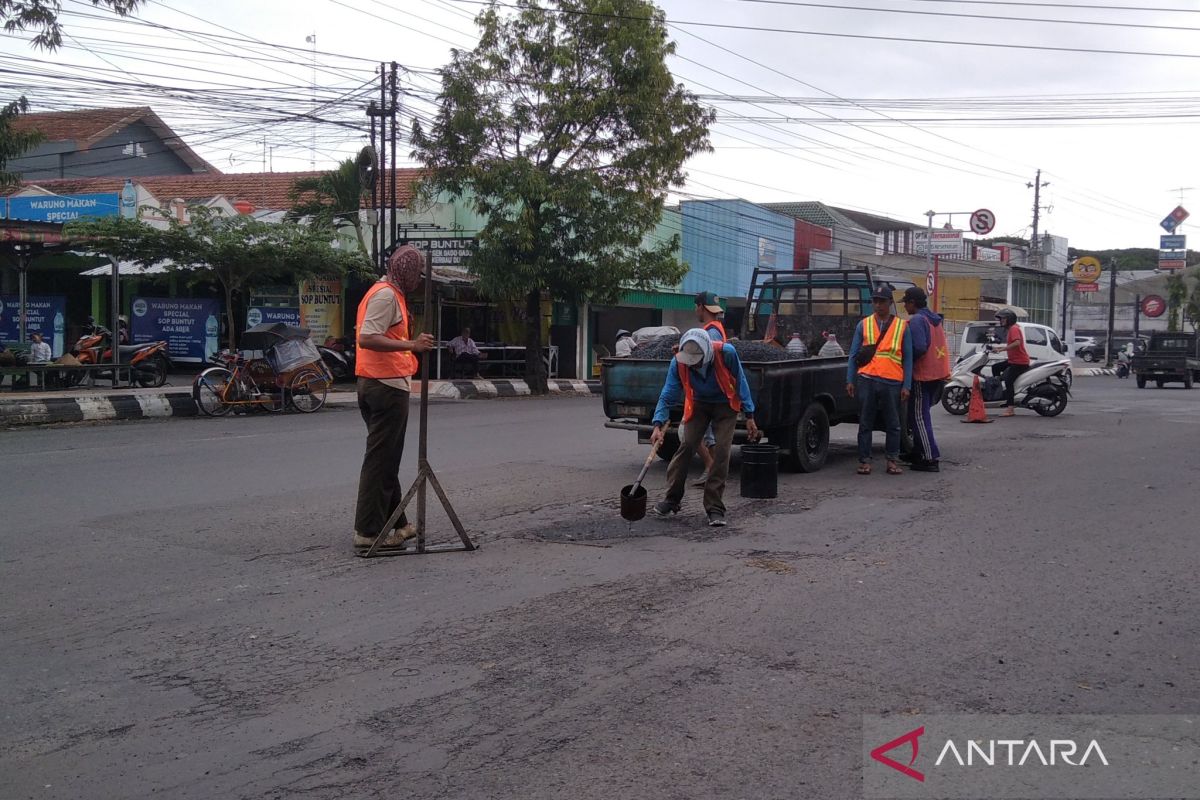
1188,380
1141,379
669,446
809,440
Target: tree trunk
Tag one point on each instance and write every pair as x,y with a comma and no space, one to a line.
535,368
232,329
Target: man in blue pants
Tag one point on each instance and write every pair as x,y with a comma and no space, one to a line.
931,366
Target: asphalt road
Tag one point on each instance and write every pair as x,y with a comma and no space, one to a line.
183,618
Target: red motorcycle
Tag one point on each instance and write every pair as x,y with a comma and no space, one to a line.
149,360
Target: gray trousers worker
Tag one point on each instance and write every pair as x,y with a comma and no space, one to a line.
385,410
723,420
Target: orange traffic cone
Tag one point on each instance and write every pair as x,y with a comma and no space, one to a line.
976,411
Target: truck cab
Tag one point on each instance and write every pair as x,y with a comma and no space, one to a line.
1169,358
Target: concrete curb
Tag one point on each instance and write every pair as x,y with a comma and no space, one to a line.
1092,372
92,407
95,407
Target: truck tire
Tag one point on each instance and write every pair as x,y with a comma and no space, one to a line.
1159,382
1188,380
808,440
1141,381
670,445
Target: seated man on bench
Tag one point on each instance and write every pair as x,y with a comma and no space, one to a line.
466,355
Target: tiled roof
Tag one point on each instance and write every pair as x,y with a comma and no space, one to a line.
815,212
89,126
262,189
876,223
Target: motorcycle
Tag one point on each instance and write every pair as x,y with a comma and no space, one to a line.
149,360
1044,388
338,355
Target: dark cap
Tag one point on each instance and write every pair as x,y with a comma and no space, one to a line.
710,301
882,291
915,294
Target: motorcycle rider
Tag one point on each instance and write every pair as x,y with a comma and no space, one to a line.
1018,357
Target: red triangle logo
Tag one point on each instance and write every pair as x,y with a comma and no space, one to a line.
911,738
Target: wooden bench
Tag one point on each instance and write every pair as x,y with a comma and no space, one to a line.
61,376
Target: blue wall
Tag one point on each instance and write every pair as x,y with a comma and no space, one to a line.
724,240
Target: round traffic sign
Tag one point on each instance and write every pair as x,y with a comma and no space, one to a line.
982,222
930,283
1086,269
1153,305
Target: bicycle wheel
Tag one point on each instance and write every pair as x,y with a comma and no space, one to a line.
211,390
307,390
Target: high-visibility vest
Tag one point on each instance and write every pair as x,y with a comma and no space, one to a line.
934,365
380,364
888,362
716,325
724,379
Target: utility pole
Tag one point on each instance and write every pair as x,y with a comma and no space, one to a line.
1112,311
312,135
1035,245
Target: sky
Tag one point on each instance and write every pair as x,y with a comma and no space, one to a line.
821,101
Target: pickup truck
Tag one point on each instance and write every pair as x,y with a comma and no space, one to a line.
796,400
1169,358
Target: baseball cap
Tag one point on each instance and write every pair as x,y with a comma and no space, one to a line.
882,291
916,294
710,301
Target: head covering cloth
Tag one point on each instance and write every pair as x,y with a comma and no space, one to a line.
405,267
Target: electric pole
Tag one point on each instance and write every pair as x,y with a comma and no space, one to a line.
1034,243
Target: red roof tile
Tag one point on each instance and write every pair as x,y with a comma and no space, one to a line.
265,190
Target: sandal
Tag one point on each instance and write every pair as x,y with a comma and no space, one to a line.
864,468
894,469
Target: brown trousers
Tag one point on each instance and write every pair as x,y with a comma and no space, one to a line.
723,420
385,410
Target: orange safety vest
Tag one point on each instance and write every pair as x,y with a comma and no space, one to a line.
934,365
888,362
716,323
381,364
724,380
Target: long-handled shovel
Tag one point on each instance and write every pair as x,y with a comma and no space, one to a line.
633,496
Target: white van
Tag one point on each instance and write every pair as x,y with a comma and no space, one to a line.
1041,341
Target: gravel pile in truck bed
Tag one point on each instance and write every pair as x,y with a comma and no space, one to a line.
663,348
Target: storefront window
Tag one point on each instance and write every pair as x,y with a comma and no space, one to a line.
1035,296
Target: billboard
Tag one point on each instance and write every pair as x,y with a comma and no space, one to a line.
190,327
321,308
44,314
63,208
946,242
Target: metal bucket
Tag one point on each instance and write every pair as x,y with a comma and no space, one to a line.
760,470
633,502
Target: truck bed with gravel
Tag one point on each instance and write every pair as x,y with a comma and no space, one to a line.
796,399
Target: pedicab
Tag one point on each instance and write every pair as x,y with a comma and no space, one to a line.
276,367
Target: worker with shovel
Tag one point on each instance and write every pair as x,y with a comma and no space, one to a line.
707,376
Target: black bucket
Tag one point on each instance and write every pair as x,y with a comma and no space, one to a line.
760,471
633,503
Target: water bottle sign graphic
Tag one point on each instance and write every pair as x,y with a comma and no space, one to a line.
211,329
129,200
59,331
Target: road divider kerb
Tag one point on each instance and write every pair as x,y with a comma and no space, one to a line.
16,410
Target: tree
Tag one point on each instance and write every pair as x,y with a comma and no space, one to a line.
237,252
1176,297
42,15
565,129
331,197
1191,311
13,143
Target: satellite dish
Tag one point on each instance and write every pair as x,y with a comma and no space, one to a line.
368,167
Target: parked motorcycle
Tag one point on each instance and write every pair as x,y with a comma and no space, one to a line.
1043,388
149,360
338,355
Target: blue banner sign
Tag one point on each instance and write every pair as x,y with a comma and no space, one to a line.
257,315
63,208
45,314
1176,242
191,328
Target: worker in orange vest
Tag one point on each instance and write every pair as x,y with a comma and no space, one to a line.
707,377
879,372
710,314
385,363
931,367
